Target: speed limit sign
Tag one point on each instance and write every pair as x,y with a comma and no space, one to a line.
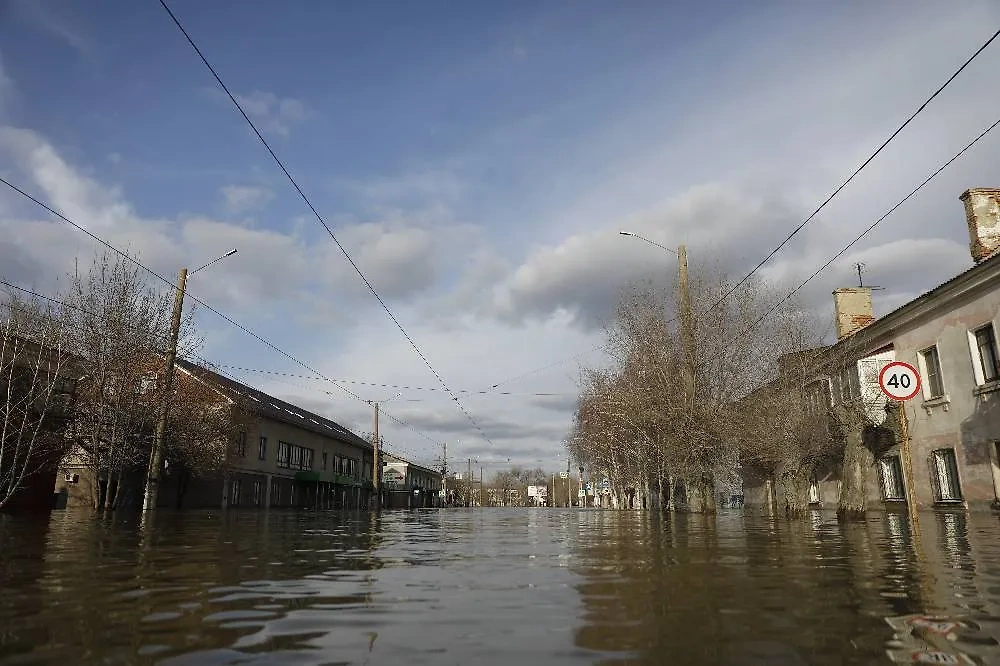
899,381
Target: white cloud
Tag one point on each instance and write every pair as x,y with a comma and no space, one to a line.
492,288
273,114
243,198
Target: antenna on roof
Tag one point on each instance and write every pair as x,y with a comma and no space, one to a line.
861,283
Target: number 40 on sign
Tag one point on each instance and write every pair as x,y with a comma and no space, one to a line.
899,380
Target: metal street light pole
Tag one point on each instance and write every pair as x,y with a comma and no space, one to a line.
156,455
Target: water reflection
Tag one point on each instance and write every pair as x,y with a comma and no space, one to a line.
490,586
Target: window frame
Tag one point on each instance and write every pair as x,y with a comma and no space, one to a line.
924,356
979,362
262,448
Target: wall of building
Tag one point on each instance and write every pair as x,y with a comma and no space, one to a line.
967,418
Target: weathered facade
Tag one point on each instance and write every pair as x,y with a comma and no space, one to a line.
952,427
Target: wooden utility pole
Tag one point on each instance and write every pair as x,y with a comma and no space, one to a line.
468,485
156,455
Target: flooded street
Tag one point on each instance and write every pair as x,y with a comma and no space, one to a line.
502,586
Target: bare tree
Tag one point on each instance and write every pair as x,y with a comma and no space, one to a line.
205,424
117,327
37,391
638,424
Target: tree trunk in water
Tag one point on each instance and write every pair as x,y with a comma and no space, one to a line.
118,489
701,498
857,461
795,491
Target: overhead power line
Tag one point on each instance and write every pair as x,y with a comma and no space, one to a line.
172,286
872,226
395,386
858,170
803,223
215,367
322,221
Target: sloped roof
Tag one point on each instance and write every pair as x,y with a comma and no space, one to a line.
267,406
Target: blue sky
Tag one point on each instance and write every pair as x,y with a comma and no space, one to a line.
477,159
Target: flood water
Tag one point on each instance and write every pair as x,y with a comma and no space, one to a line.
492,586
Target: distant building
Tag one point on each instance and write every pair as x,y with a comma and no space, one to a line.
407,485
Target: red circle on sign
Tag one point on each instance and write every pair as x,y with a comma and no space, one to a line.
896,364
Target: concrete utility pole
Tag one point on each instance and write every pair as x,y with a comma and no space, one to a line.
687,322
377,464
444,470
569,486
152,491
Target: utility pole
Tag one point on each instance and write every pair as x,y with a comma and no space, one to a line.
444,470
156,455
377,468
569,486
482,487
468,485
152,490
687,322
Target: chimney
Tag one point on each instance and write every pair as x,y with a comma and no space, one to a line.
852,307
982,211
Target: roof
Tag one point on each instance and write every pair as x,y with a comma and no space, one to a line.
267,406
975,277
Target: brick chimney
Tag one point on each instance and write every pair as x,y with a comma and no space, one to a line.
982,211
852,307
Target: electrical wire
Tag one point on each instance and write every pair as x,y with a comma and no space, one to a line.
393,386
797,229
322,222
858,170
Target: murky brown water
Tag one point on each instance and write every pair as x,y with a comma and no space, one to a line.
493,586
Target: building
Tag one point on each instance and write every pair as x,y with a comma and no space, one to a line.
406,485
35,424
280,456
950,335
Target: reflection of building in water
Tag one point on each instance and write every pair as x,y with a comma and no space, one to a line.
949,335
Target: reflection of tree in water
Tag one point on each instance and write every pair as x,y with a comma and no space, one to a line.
745,590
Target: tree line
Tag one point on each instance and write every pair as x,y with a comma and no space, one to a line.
693,396
81,378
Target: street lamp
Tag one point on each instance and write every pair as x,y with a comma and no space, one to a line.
156,455
664,247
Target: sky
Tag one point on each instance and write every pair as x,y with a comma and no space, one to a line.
477,160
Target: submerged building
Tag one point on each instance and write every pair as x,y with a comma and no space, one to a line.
953,424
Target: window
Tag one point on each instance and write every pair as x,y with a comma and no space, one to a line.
241,445
324,461
257,487
262,449
234,492
284,454
275,493
296,457
850,383
944,476
307,458
986,346
891,476
934,386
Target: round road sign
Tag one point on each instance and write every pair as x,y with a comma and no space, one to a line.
899,380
